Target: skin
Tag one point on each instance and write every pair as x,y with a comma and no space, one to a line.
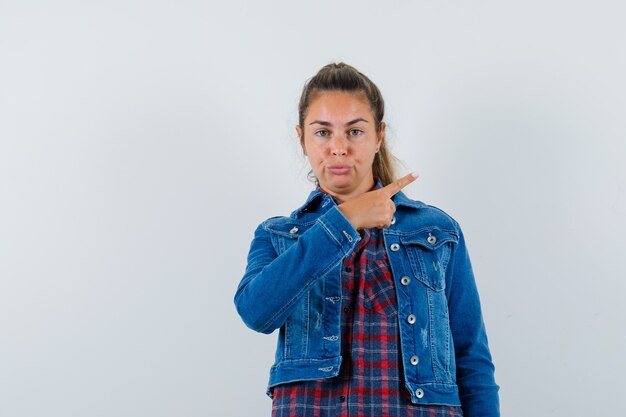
340,139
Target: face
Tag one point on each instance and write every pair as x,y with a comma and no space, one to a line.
340,139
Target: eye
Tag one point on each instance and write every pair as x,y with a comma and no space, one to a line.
322,133
356,132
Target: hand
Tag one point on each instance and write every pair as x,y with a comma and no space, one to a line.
375,208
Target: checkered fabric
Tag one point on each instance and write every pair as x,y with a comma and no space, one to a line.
370,381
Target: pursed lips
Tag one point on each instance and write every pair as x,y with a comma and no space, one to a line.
338,169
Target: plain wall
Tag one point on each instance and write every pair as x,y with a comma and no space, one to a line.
142,142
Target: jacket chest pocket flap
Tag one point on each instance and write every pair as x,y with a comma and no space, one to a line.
284,234
429,252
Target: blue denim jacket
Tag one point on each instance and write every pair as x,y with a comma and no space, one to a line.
292,282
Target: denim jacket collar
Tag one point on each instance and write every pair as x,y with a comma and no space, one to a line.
400,199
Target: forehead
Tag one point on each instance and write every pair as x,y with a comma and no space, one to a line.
339,106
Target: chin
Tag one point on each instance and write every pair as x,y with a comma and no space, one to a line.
340,184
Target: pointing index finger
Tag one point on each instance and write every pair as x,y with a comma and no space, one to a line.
393,188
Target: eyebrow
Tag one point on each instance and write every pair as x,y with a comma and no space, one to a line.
325,123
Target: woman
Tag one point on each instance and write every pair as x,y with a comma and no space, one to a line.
373,292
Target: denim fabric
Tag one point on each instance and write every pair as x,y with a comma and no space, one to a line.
292,282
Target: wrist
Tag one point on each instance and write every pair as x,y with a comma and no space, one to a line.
349,214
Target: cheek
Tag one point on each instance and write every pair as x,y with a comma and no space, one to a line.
367,154
316,159
314,152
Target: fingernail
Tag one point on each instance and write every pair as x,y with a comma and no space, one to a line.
415,174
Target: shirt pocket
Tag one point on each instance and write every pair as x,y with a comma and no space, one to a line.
379,291
429,252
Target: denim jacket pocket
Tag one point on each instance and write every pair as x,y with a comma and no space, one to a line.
429,252
284,234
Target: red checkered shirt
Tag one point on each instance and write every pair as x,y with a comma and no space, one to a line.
370,381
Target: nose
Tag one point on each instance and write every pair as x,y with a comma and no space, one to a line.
339,146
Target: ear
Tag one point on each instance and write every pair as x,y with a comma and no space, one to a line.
381,134
301,138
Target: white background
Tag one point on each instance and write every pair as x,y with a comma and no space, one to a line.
141,142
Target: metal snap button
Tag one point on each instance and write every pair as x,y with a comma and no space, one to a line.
294,230
411,319
414,360
393,220
395,247
419,393
405,280
432,239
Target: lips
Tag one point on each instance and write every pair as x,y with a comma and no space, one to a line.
339,169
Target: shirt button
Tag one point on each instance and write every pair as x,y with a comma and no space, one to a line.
419,393
405,280
414,360
395,247
393,220
347,309
342,398
294,231
411,318
432,239
348,269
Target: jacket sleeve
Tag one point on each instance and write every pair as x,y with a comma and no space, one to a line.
273,284
474,367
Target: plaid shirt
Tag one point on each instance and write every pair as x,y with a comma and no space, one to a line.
370,382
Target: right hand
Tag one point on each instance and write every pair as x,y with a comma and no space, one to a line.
375,208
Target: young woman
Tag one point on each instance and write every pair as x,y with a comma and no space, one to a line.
373,292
